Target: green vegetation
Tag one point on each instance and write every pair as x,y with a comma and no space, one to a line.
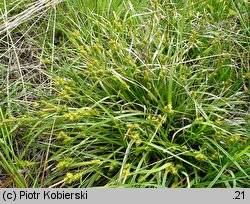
112,93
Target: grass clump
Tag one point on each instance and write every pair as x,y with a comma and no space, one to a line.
126,94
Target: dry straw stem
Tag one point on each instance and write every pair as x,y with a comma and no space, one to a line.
32,11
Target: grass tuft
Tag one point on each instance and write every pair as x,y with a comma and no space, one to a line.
151,93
